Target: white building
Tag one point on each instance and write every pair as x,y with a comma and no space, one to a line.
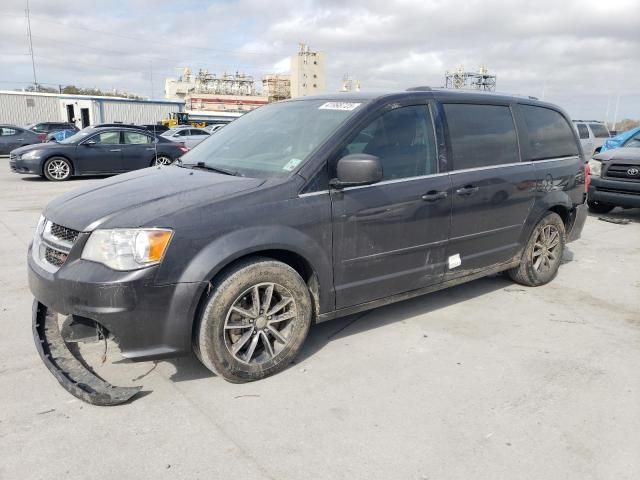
307,72
23,108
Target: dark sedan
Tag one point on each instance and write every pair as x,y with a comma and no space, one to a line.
12,137
95,151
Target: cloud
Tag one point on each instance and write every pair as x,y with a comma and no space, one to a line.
579,53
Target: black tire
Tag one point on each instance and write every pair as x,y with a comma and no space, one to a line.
57,169
214,344
536,265
161,160
599,207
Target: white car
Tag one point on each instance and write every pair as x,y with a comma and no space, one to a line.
190,136
214,128
593,134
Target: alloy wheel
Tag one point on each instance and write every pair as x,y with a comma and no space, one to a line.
162,160
545,249
58,169
260,322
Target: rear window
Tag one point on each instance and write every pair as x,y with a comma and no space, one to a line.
481,135
550,135
599,130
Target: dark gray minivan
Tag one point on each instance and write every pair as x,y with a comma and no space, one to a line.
299,212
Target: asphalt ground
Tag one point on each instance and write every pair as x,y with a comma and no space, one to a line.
488,380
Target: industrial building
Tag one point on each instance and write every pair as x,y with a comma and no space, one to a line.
23,108
205,92
307,72
461,79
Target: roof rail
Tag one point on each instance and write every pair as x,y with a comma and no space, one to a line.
419,89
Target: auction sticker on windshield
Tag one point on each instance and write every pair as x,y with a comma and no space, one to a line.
339,106
291,164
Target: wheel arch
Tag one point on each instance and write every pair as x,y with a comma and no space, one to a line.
295,260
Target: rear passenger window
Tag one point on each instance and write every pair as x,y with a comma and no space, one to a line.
583,131
403,139
135,138
550,135
481,135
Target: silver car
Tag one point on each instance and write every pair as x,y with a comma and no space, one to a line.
12,137
190,136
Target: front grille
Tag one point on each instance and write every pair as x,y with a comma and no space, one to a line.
64,233
54,245
621,170
55,257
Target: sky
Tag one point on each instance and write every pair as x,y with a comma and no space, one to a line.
583,55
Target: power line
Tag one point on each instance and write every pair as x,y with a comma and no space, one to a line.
141,39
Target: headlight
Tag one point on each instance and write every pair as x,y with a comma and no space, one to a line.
596,167
31,155
127,249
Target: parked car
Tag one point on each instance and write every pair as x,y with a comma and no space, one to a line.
60,135
95,151
190,136
117,125
615,179
156,128
624,139
48,127
303,211
12,137
592,134
214,128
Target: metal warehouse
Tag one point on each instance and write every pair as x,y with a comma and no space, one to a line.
23,108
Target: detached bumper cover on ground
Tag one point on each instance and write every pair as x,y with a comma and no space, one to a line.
67,369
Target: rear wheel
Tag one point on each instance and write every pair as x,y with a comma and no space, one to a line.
162,160
541,257
599,207
57,169
255,322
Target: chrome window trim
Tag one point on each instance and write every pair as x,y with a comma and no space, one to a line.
453,172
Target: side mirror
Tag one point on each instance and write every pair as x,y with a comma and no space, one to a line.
88,143
357,169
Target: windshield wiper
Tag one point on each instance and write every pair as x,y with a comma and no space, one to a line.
204,166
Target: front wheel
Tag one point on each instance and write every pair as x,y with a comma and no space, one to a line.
57,169
255,322
599,207
541,257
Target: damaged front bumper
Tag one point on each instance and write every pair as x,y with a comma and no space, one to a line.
67,369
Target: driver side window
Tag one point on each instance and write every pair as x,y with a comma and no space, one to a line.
403,139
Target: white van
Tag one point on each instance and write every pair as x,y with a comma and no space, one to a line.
593,134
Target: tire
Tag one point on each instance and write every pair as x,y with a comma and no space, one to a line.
162,160
57,169
599,207
263,344
542,255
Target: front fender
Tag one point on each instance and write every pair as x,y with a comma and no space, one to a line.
210,260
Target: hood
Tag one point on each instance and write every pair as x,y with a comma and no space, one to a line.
40,146
627,155
138,198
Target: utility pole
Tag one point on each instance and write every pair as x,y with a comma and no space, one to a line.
33,62
151,76
615,115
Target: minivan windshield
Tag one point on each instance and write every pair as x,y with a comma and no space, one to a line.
272,140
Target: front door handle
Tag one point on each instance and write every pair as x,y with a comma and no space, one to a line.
467,190
116,150
434,196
